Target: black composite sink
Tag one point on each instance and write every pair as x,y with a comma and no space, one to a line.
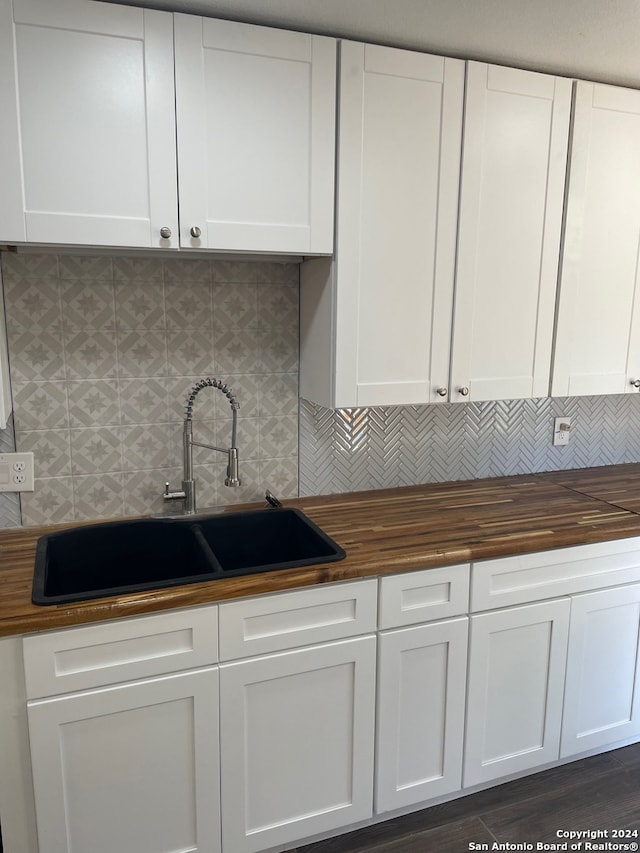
114,558
266,540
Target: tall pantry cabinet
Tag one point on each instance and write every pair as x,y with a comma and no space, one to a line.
444,277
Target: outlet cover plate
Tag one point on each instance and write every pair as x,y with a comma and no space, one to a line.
16,472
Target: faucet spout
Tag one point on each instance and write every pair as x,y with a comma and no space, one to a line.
188,493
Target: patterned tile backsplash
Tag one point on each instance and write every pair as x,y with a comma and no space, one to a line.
103,352
353,449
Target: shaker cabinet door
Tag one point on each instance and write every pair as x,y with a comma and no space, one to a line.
256,123
602,694
296,737
376,322
87,137
422,674
398,172
131,768
512,189
515,689
598,333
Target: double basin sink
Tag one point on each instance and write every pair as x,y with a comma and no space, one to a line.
120,557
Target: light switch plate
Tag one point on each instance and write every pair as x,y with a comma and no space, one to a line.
16,472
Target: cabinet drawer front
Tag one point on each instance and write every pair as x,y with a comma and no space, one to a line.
424,596
533,577
82,658
277,622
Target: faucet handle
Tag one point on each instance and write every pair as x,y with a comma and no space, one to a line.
173,496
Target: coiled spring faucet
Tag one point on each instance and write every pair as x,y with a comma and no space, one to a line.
188,492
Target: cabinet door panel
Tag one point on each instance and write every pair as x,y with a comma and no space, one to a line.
512,186
256,114
399,157
602,698
92,107
516,677
132,768
421,692
598,334
296,743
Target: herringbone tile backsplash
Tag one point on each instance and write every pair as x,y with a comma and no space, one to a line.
353,449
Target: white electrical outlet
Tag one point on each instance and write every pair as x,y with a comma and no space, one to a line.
16,472
561,431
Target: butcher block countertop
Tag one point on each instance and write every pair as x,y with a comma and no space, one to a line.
383,532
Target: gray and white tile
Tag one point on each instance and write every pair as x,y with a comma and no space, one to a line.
232,271
235,306
278,394
37,354
179,270
139,305
190,352
96,450
40,405
51,451
90,354
88,305
144,401
237,352
142,353
51,502
137,269
188,305
278,436
93,402
278,350
280,477
99,496
278,306
89,268
277,273
31,304
143,490
150,446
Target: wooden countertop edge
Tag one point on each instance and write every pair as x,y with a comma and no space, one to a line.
601,521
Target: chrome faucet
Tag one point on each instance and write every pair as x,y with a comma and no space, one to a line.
188,492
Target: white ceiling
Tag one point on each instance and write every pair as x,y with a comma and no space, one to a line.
592,39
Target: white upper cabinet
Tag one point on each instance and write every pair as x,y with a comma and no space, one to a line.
87,137
376,324
256,130
511,201
598,332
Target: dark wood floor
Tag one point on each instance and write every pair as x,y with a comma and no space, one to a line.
602,792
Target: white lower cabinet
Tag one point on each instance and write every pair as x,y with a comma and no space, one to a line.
327,701
421,691
131,768
297,738
602,696
515,689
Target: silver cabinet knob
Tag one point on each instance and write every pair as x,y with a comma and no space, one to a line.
195,231
464,391
635,383
165,233
442,392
